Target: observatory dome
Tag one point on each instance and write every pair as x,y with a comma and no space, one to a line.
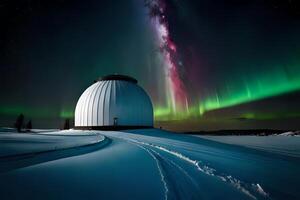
114,102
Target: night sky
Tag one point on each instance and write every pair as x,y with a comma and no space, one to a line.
207,64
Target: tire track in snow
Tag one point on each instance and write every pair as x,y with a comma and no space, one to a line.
183,171
254,191
161,173
181,184
178,184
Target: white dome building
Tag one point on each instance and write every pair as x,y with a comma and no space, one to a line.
114,102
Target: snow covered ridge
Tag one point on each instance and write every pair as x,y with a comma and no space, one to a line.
290,133
13,144
14,130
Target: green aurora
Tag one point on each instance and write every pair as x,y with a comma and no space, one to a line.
265,85
259,86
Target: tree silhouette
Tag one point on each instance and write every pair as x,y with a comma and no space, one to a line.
19,122
67,124
29,125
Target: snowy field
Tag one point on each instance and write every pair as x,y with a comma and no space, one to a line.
279,144
147,164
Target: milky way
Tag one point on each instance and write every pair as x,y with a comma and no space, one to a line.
244,85
176,96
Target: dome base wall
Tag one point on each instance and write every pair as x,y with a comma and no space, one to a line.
110,128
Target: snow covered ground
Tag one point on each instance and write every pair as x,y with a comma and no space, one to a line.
147,164
279,144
